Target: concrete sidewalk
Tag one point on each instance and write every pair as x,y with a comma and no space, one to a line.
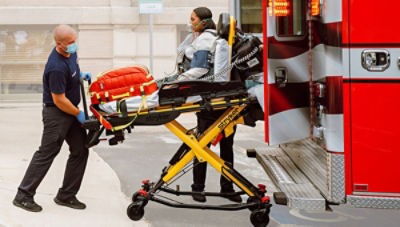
20,134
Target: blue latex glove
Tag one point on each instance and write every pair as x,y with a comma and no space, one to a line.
86,75
81,117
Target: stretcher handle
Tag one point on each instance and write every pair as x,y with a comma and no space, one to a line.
85,109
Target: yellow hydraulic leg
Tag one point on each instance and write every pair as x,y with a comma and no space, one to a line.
200,149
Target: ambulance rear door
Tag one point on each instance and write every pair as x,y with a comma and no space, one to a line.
287,74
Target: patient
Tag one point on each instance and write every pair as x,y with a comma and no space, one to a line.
196,54
202,55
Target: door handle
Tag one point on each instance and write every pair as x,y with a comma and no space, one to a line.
398,62
375,60
281,77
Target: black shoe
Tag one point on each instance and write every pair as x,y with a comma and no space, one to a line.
72,203
199,197
233,198
28,205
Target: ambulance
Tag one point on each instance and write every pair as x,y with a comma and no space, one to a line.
332,101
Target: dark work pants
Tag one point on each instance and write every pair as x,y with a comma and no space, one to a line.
204,120
57,127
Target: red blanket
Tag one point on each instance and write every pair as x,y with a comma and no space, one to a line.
122,83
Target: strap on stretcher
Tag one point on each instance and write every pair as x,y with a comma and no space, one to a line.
122,109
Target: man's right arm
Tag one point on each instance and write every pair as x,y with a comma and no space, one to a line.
64,104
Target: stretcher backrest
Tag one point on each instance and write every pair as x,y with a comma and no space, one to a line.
122,83
223,26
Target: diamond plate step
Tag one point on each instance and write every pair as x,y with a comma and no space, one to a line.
325,170
300,192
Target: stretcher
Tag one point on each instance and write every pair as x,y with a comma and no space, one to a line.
240,108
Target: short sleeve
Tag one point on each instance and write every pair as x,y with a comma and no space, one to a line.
57,82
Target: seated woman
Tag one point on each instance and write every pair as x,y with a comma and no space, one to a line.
202,55
197,55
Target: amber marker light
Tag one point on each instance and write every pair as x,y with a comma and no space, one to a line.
315,7
281,8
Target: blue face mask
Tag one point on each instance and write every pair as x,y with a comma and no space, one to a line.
72,48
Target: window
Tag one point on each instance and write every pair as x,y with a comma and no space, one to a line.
182,31
292,22
251,16
23,54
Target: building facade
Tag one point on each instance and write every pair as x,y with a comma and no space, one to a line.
112,34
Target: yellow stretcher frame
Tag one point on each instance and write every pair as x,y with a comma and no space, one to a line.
196,147
199,147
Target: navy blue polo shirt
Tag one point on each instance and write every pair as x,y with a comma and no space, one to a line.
61,75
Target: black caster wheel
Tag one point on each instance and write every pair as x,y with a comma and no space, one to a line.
259,218
135,211
252,200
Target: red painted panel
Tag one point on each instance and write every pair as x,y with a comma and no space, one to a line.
375,152
347,137
345,21
292,96
373,21
334,92
266,91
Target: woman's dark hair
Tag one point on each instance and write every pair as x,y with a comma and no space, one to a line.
205,13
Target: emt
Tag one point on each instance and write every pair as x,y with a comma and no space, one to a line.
61,122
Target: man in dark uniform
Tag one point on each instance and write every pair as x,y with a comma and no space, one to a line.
61,121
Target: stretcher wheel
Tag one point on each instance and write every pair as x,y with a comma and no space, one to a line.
135,211
259,218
